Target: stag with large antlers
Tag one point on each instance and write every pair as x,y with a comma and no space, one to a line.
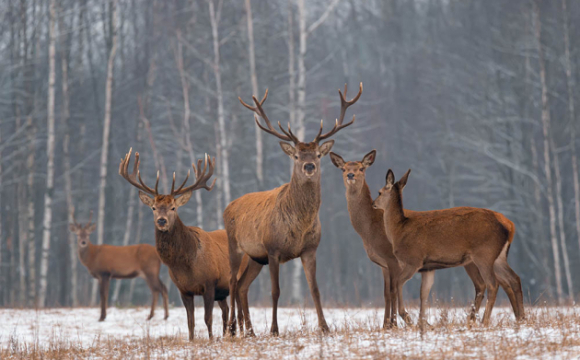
282,224
106,262
430,240
197,260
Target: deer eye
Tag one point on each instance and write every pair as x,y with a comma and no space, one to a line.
153,208
362,169
296,157
343,170
172,209
319,156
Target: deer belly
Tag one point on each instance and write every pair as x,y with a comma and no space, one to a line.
444,262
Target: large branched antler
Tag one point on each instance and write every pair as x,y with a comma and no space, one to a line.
201,177
344,104
132,178
287,134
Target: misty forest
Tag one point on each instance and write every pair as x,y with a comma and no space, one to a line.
478,98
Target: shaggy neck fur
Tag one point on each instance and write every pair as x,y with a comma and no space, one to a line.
176,244
302,197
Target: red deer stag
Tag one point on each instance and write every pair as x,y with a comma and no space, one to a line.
368,223
106,262
197,260
438,239
282,224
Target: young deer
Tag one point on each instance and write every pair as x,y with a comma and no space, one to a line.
118,262
438,239
368,223
198,260
282,224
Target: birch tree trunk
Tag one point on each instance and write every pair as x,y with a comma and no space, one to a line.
47,221
547,160
255,90
67,168
291,70
225,174
572,114
560,214
106,136
186,125
303,38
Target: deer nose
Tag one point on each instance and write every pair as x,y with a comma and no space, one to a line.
309,167
162,222
350,176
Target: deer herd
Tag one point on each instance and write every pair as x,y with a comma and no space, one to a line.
275,226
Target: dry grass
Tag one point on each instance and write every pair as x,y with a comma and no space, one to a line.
548,332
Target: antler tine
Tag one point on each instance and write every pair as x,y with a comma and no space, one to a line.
132,178
289,133
344,105
251,107
182,184
201,177
268,128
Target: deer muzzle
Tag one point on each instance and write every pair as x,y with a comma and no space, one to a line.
309,169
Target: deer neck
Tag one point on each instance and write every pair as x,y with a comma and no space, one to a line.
359,203
175,243
87,253
303,197
394,217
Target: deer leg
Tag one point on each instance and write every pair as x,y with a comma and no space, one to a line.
188,303
309,264
240,313
407,273
486,271
274,265
165,298
387,293
504,279
235,262
225,310
427,279
479,284
208,301
507,275
252,271
104,290
154,287
394,303
516,285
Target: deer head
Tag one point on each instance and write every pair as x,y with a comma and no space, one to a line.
83,232
165,206
353,172
306,156
392,192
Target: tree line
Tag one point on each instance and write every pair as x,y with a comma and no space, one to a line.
478,98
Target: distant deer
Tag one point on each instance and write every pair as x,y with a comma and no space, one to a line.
368,223
282,224
106,262
198,261
438,239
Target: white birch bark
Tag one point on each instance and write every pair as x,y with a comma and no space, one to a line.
106,138
214,18
572,113
255,89
47,221
547,160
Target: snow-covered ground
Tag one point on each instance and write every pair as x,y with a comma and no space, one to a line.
355,332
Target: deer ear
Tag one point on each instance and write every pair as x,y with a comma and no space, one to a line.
183,199
390,177
325,147
403,180
287,148
146,199
337,160
90,228
369,158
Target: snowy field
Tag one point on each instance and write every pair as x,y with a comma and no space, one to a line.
549,332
